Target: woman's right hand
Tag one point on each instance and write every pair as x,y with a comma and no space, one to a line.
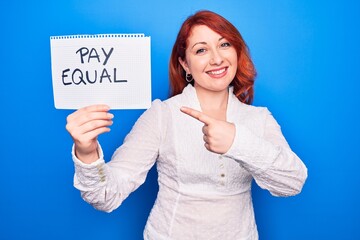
84,126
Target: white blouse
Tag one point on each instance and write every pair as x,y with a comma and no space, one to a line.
202,195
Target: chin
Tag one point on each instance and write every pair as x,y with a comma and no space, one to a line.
214,85
220,86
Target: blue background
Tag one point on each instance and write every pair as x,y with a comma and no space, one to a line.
307,57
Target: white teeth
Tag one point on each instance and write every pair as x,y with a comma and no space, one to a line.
217,72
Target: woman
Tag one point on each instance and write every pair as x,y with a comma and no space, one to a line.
208,142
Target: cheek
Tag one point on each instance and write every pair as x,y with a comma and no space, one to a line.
235,61
198,65
233,57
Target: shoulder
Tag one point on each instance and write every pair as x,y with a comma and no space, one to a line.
173,103
236,106
163,108
251,116
187,97
153,113
259,111
158,111
250,111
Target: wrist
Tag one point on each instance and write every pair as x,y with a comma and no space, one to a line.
87,158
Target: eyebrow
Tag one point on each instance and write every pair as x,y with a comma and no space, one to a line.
205,42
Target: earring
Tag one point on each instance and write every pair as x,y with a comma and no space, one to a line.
189,77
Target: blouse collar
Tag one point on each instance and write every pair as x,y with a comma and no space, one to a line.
192,101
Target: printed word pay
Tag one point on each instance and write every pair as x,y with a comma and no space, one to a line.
79,76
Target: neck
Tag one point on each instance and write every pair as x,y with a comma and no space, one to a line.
213,103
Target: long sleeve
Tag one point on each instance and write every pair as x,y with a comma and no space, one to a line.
269,159
107,185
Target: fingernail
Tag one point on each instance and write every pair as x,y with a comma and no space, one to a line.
110,115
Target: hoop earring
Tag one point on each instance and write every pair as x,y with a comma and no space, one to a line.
189,78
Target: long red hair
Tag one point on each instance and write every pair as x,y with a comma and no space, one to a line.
244,79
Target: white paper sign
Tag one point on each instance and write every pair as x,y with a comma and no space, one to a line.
112,69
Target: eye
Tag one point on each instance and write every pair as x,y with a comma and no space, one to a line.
225,45
200,51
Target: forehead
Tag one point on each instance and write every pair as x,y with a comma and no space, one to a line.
202,33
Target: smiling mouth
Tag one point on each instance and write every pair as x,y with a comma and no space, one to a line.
217,72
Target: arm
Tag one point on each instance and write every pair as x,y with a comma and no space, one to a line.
107,185
269,159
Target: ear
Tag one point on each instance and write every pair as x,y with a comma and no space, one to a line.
184,65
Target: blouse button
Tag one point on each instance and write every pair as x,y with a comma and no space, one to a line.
222,175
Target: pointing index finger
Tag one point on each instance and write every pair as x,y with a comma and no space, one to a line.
196,114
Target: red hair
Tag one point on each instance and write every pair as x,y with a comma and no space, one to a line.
244,79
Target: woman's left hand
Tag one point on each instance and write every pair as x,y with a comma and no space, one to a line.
218,135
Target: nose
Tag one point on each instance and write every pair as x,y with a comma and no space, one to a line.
216,58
